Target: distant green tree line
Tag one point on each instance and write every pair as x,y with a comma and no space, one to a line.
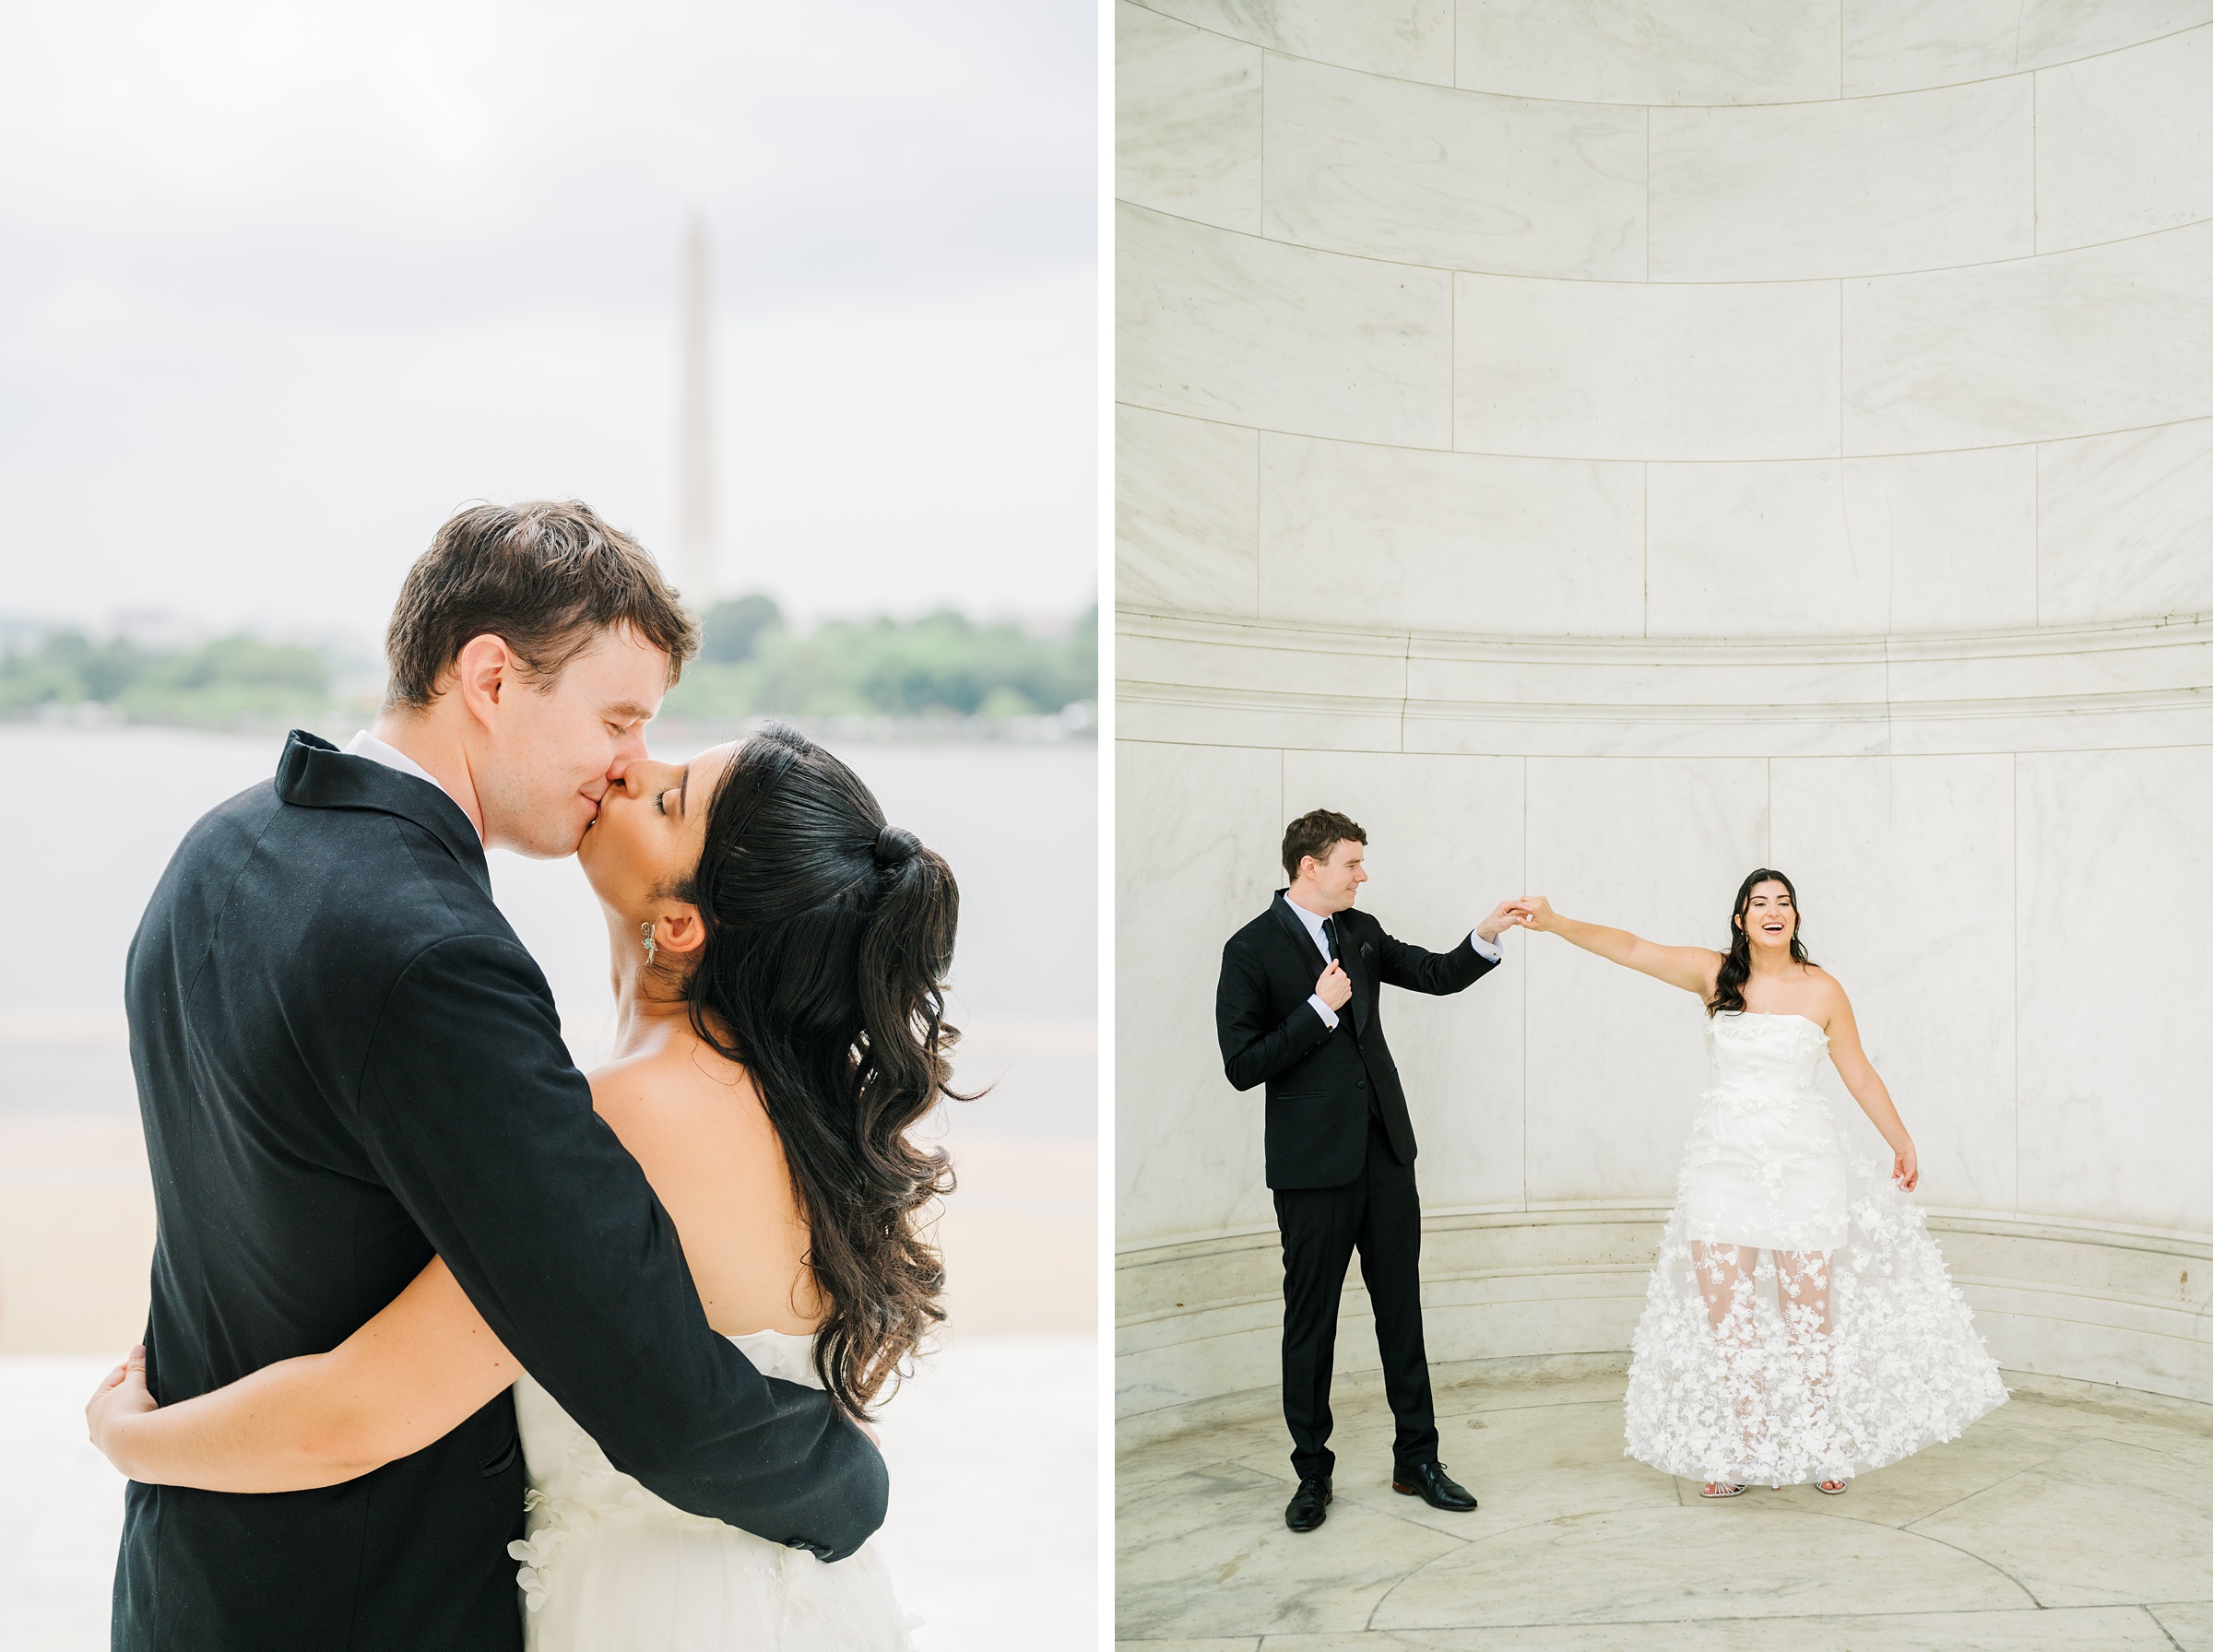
752,664
217,683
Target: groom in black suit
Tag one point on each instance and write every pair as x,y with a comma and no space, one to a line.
1299,1008
347,1063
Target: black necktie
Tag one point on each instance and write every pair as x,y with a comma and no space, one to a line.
1329,938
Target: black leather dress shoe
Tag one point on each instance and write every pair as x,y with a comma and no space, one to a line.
1309,1505
1433,1486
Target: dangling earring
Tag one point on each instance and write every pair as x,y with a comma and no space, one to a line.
645,933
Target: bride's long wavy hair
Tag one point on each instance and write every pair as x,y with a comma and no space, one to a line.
1736,968
828,937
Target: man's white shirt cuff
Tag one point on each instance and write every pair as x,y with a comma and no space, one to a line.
1484,947
1329,1016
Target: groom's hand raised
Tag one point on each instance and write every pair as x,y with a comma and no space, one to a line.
1335,987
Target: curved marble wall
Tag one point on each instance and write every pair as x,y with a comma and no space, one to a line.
1606,446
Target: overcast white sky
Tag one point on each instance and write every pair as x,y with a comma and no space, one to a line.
283,284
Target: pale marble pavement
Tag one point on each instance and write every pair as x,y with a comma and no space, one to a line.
2067,1519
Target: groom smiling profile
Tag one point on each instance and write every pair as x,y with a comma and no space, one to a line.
1299,1008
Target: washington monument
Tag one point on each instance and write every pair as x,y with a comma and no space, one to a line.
695,446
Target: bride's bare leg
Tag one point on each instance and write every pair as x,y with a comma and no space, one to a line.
1725,1273
1801,1290
1725,1281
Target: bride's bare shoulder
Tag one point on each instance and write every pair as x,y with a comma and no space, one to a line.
679,1100
1827,992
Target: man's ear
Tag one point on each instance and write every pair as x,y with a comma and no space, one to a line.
483,672
677,928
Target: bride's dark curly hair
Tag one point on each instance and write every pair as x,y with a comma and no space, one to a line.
828,937
1736,968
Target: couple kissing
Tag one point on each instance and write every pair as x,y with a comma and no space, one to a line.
428,1301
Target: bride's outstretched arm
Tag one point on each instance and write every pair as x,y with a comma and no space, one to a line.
1866,1086
1691,968
421,1368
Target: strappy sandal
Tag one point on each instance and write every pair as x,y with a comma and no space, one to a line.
1721,1488
1833,1488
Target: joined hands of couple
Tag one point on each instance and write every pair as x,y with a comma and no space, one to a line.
1523,912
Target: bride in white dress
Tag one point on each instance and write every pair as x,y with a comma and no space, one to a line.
1799,1326
777,955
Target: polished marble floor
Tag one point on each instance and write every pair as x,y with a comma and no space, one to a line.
2068,1518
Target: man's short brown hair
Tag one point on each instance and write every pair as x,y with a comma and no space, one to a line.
544,578
1317,833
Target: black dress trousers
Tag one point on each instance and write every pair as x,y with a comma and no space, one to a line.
1380,1214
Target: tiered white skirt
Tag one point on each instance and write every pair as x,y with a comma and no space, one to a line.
1779,1393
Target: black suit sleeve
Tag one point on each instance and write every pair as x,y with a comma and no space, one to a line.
477,1120
1254,1047
1401,963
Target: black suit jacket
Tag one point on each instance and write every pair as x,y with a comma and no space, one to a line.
347,1062
1319,1081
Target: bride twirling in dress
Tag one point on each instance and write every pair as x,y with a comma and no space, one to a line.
1799,1326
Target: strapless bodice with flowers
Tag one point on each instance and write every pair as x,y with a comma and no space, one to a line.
1756,1061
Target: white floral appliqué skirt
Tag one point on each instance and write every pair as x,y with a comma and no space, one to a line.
1799,1323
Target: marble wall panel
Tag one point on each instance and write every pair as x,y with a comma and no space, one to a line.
2114,1040
2104,338
1624,52
2054,32
1957,532
1409,38
1904,871
1196,833
1187,119
1227,326
1599,369
2125,525
1789,192
1186,512
1444,847
1361,163
1757,550
1383,536
2124,142
1615,1059
1899,45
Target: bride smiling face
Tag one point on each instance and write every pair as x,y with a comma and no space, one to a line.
1770,918
647,841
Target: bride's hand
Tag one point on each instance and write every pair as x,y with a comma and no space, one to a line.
121,1393
1535,913
1905,1169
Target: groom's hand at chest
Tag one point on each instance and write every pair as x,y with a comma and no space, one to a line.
1335,987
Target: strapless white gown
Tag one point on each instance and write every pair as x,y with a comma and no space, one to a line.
608,1566
1777,1392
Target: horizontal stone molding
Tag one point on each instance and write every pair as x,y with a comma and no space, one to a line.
1702,54
1199,1319
1232,682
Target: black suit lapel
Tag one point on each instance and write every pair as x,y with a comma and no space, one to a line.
313,773
1302,937
1359,956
